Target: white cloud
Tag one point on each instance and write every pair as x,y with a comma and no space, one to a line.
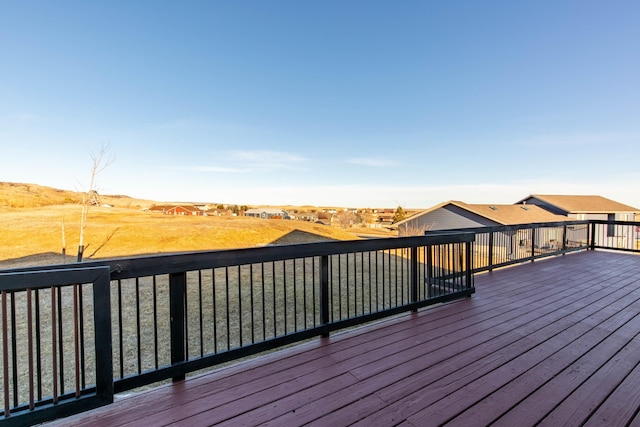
248,161
265,160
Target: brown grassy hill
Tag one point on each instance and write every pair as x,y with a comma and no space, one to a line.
19,195
33,217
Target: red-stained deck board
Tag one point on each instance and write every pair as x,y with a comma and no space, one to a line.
451,387
621,405
587,382
489,354
456,341
557,375
552,341
237,400
584,400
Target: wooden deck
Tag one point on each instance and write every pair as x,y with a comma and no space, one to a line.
549,343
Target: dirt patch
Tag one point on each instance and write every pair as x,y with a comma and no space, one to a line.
298,236
47,258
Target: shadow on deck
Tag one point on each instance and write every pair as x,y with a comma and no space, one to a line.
553,342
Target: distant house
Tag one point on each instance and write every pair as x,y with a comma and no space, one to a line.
385,216
453,215
177,210
310,216
160,208
583,207
592,207
267,213
185,210
533,209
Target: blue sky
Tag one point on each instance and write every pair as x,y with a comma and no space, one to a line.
347,103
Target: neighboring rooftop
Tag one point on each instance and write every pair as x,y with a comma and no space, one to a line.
511,214
274,211
581,204
501,214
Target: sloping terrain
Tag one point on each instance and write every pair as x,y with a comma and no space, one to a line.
37,222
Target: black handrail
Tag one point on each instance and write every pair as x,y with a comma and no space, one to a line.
495,247
178,313
184,312
28,289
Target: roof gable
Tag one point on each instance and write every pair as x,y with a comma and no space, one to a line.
582,204
513,214
500,214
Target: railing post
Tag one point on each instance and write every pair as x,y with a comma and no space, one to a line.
592,242
429,269
414,276
564,239
177,288
490,251
468,247
103,339
533,243
324,291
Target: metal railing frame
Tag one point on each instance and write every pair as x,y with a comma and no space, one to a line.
63,404
594,239
104,273
176,267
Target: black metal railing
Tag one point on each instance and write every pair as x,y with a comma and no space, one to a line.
173,314
615,235
47,359
501,246
72,335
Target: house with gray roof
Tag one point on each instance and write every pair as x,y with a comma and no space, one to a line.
584,207
593,208
267,213
453,215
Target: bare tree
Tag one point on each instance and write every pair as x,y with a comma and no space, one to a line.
106,240
100,160
399,214
64,241
412,228
346,218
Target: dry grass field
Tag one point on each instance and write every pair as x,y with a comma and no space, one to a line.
226,308
31,233
31,229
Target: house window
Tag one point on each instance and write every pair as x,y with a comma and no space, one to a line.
611,227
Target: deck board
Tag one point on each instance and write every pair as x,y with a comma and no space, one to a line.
583,401
553,342
552,379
